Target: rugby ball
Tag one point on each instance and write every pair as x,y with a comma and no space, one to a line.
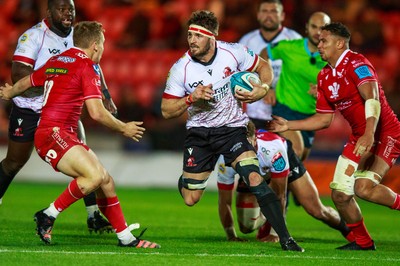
240,81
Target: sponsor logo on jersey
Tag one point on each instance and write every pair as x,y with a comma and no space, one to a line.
363,72
389,146
196,83
249,51
209,72
59,140
96,69
20,120
343,105
24,37
222,168
265,151
221,92
96,82
227,72
334,88
55,70
54,51
66,59
278,162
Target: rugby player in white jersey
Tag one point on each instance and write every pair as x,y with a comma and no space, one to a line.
283,168
199,84
270,15
51,36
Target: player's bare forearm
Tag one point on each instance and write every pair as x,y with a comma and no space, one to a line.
316,122
172,108
264,70
8,92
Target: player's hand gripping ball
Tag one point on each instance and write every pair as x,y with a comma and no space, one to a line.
240,81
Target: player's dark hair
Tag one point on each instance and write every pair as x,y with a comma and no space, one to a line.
51,3
206,19
279,2
87,32
338,29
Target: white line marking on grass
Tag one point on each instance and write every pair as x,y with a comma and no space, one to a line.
199,255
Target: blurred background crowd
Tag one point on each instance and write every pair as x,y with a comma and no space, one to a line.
145,37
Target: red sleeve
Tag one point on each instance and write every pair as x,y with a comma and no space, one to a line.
38,77
361,71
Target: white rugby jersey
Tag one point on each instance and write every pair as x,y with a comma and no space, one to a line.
188,73
36,46
271,154
256,42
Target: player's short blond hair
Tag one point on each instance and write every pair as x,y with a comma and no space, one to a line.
87,32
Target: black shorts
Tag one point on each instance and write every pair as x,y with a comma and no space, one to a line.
23,124
297,168
203,146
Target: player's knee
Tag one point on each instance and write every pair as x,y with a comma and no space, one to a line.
191,198
343,179
193,189
316,211
248,169
98,178
249,217
365,181
263,193
340,198
12,167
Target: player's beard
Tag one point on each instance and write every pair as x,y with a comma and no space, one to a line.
273,27
202,52
59,26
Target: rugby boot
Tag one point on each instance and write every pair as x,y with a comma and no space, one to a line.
44,226
291,245
355,246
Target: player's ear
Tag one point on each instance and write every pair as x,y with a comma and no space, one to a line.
340,43
95,47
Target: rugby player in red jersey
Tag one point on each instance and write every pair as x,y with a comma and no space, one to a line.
51,36
70,80
349,84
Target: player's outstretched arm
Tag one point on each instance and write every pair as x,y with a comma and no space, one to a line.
98,113
315,122
8,92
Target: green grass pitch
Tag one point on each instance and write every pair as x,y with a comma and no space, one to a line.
188,235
